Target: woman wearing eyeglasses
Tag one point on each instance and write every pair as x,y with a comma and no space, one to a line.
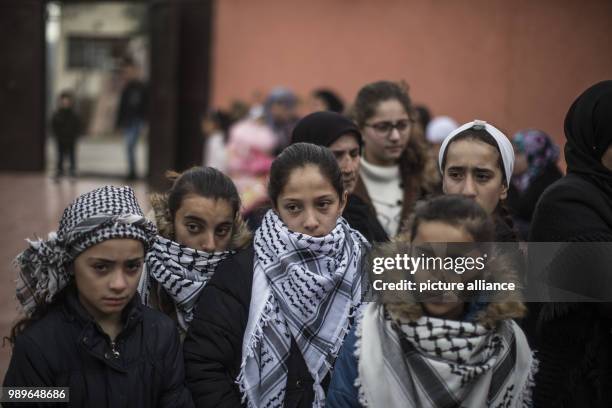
395,168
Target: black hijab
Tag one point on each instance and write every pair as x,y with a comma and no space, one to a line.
324,128
588,129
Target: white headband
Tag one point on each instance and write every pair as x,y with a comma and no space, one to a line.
503,143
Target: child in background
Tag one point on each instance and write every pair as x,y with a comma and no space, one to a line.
66,127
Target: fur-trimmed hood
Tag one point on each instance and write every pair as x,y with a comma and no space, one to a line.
241,236
403,305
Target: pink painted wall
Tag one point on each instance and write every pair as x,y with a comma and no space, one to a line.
516,63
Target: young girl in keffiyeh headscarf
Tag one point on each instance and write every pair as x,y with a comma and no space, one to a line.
271,321
84,326
439,349
200,225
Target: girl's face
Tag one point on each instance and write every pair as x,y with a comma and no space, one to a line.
107,276
472,169
308,203
446,305
386,133
204,224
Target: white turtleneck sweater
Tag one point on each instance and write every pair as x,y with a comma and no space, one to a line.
383,185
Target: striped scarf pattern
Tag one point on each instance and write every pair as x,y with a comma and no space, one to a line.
305,288
442,363
182,271
105,213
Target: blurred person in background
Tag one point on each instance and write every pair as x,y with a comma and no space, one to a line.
238,110
343,138
280,115
422,116
323,99
535,168
132,112
254,142
256,108
215,127
85,327
67,128
395,168
437,130
199,225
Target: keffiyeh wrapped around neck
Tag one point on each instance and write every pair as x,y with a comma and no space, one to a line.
305,288
441,363
182,272
106,213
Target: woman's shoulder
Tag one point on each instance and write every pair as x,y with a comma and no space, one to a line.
572,187
574,197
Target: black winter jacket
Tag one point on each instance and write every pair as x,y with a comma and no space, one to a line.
67,348
575,339
213,346
133,105
66,125
360,216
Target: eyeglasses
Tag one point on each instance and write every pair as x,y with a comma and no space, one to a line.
385,128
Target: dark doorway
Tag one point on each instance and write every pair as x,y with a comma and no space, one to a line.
178,33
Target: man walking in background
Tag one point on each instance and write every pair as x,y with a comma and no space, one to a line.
132,112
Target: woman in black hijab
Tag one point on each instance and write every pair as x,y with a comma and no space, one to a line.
574,339
585,194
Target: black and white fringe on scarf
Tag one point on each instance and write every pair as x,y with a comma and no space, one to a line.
182,272
434,362
303,287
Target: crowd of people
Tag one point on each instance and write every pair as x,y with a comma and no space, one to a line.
204,302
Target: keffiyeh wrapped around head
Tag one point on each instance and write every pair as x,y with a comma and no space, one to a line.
106,213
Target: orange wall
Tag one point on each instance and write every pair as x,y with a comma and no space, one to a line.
517,63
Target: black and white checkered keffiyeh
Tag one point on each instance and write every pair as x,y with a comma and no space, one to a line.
303,287
182,272
105,213
434,362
